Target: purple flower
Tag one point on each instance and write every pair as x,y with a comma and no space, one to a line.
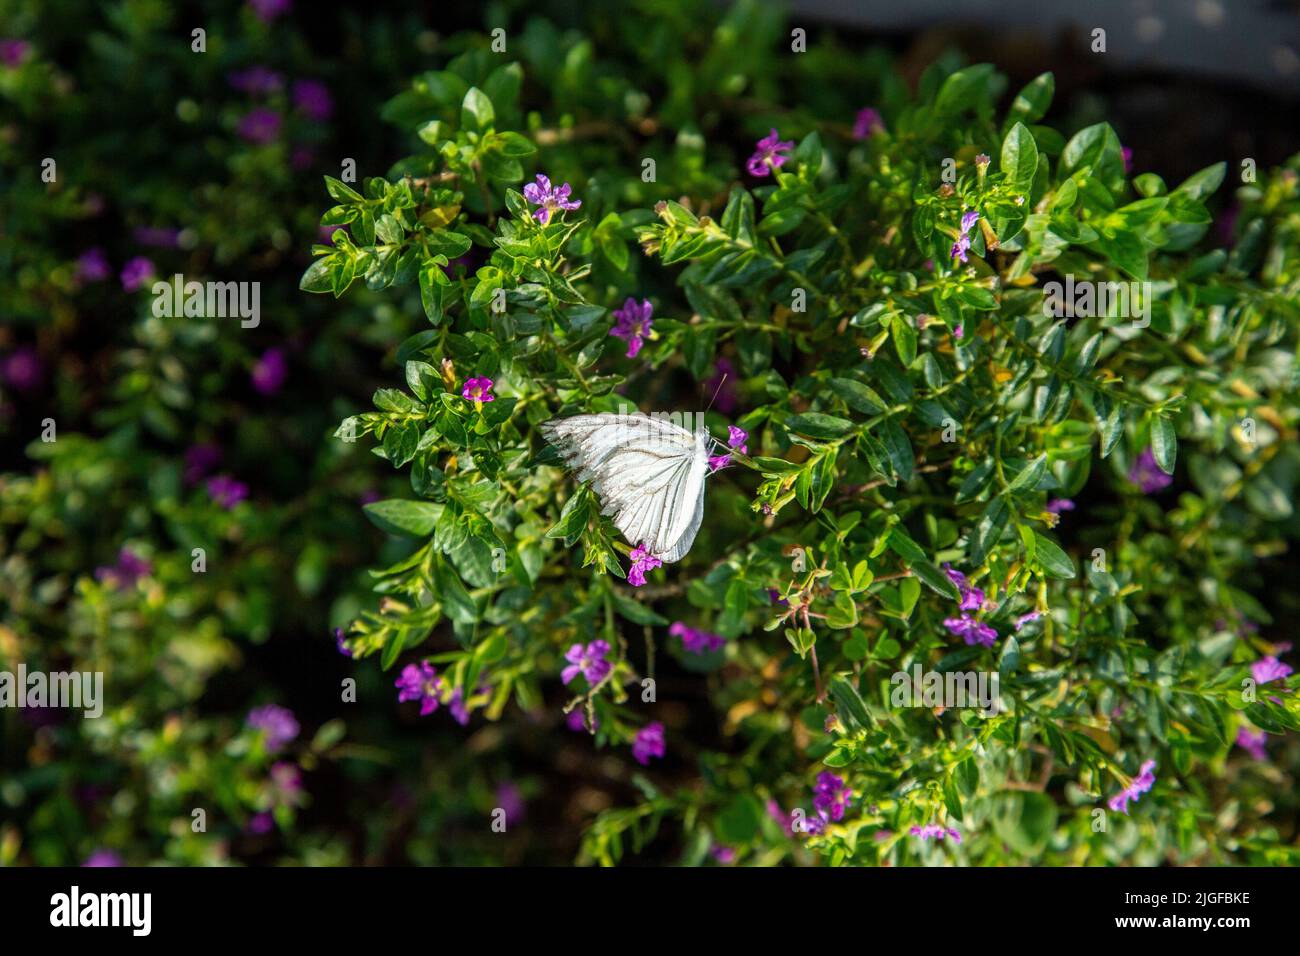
13,52
268,10
632,324
774,596
22,370
696,642
780,816
1147,475
92,266
588,661
478,391
576,720
1057,505
136,273
103,857
261,823
312,99
341,642
962,245
1142,783
970,630
1268,669
1024,619
642,561
286,782
226,491
124,575
1252,741
199,460
255,79
259,126
277,724
768,155
162,237
955,576
270,371
721,384
831,795
549,200
1128,159
649,742
736,439
420,682
511,800
1225,227
972,599
960,248
723,854
933,831
867,123
459,712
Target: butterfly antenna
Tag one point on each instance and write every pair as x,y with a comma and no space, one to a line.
722,381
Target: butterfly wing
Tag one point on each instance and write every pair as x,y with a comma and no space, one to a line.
694,488
647,473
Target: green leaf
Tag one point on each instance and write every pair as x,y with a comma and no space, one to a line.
903,545
842,613
512,144
852,711
951,798
456,601
899,450
904,336
1051,558
1164,444
935,579
319,275
975,482
989,529
857,396
819,425
573,520
476,111
1025,821
964,89
1029,476
1032,101
1203,183
635,611
1019,156
341,191
404,517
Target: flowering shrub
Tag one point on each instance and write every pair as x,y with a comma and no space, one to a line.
132,440
939,469
926,474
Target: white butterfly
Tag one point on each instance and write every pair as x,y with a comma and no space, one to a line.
648,473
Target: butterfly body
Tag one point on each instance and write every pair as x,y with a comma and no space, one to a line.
648,473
